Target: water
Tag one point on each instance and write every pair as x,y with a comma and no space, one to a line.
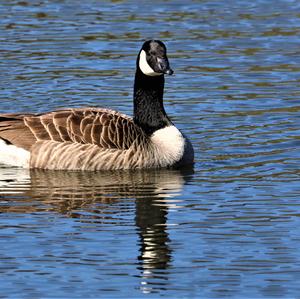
230,227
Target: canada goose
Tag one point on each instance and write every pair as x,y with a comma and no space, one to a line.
98,138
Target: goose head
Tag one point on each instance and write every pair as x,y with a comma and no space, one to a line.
152,59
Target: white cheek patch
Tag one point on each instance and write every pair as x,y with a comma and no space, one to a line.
145,67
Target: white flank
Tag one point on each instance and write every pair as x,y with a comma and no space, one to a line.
170,144
145,67
13,155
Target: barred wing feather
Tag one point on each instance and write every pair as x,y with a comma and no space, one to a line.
105,128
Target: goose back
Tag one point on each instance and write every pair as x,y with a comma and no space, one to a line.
105,128
85,139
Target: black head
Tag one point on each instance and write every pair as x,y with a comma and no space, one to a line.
153,60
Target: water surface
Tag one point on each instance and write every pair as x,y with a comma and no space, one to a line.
227,228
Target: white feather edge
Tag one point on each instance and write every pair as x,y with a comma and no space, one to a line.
13,155
145,67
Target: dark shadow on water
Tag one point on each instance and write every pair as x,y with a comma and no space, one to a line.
155,252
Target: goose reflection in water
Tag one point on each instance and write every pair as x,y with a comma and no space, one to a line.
97,197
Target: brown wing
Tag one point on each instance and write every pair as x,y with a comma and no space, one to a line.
103,127
14,131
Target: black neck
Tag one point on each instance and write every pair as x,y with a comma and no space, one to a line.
149,112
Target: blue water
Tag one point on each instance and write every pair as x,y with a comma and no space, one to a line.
230,227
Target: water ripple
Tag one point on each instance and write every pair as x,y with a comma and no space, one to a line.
227,228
